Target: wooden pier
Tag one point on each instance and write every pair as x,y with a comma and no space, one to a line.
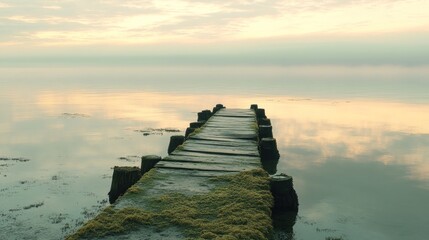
210,186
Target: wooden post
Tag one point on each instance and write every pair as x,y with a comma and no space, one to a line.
270,165
269,154
189,131
200,116
148,162
196,124
260,113
204,115
175,141
265,131
285,197
268,149
207,114
283,223
217,108
122,179
264,121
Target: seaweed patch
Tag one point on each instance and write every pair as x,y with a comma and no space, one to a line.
156,131
19,159
35,205
75,115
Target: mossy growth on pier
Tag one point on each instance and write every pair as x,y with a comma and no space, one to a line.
180,147
147,178
239,207
196,131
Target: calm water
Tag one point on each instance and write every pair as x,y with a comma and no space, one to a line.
355,139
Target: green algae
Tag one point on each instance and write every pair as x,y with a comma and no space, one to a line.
147,179
255,126
238,208
127,169
133,189
196,131
111,222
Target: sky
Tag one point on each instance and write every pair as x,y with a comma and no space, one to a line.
294,32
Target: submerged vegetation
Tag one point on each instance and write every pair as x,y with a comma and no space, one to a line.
238,208
156,131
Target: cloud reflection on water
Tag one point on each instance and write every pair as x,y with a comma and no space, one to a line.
312,131
308,130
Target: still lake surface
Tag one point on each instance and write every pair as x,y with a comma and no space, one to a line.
355,139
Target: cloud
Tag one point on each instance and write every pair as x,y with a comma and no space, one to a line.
52,7
246,32
4,5
194,20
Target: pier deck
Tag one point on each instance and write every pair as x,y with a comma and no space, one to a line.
210,187
226,143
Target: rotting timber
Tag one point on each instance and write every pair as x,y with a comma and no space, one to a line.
210,186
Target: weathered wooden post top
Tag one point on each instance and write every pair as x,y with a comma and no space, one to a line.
218,181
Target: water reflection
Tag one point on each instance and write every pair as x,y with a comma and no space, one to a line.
283,223
270,166
351,198
356,173
390,133
360,167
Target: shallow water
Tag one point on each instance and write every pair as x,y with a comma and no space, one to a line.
354,139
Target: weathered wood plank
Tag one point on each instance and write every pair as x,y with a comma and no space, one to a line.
220,126
220,150
220,142
204,166
219,139
232,119
236,112
229,132
202,154
227,135
228,121
192,173
215,159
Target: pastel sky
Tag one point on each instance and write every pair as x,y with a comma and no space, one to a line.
230,32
